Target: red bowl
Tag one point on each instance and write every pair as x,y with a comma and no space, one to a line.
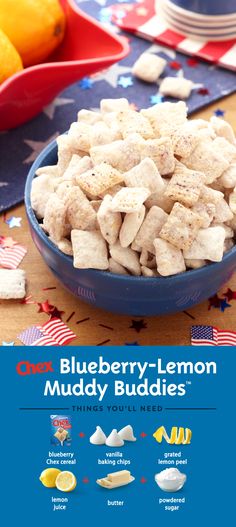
86,48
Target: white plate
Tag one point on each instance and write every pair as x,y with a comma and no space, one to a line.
193,14
199,33
117,485
217,23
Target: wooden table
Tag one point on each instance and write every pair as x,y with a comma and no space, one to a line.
87,321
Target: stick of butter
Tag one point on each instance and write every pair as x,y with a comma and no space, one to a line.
122,476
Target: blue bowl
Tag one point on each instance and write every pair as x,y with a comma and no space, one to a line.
130,295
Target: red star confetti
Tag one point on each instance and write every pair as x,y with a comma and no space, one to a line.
138,325
56,313
203,91
143,480
214,301
175,65
81,434
230,295
192,62
45,307
85,480
143,434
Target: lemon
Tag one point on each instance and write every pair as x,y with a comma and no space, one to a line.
49,476
35,27
10,61
66,481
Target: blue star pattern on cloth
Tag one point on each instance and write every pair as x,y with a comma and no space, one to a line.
20,147
125,82
85,83
156,99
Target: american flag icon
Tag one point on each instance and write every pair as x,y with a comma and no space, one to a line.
212,336
52,333
10,258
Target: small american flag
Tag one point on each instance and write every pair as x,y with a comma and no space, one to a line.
10,258
30,335
59,331
52,333
211,336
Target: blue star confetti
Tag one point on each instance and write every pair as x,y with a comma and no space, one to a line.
13,221
85,83
219,112
224,304
125,82
156,99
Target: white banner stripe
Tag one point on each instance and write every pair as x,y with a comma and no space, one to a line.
153,27
229,58
190,46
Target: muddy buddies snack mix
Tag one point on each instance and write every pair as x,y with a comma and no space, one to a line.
146,193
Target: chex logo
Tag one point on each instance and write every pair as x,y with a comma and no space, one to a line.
27,368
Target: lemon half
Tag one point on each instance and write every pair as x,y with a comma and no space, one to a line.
49,476
66,481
